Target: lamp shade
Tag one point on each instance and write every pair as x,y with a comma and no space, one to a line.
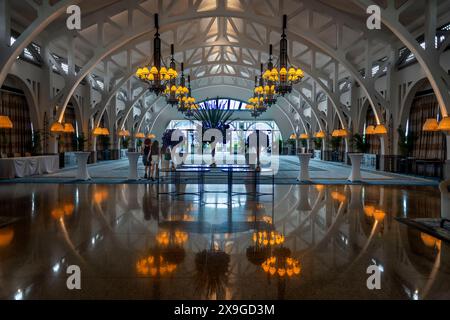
151,136
57,127
124,133
140,135
304,136
105,131
444,125
335,133
320,135
380,129
431,125
5,122
370,130
97,131
68,128
293,136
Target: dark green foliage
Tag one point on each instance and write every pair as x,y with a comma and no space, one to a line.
360,144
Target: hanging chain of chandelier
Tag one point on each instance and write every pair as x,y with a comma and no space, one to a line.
277,80
165,81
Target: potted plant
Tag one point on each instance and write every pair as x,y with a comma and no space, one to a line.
37,143
335,143
405,142
360,144
104,142
81,140
318,142
125,143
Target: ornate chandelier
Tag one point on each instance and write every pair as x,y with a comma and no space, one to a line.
284,75
174,94
282,264
157,76
187,103
262,97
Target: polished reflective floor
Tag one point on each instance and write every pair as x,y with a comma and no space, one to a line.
276,242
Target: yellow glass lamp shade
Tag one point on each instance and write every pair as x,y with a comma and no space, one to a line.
97,131
123,133
340,133
100,196
370,130
369,210
304,136
68,128
5,122
380,129
293,136
379,215
444,125
140,135
105,131
6,236
57,127
68,209
151,136
430,241
431,125
335,195
58,213
320,135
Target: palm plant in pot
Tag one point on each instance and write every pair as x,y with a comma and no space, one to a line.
360,144
214,115
212,271
405,142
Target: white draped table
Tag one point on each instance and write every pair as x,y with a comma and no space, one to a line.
11,168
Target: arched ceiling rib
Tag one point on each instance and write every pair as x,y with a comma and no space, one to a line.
317,34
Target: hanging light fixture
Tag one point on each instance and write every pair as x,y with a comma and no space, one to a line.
68,128
124,133
174,92
370,130
99,131
140,135
187,103
341,133
320,135
269,87
151,136
380,129
444,125
257,104
431,125
304,136
157,76
284,76
57,127
5,122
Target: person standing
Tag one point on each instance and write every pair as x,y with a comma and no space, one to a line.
154,155
146,157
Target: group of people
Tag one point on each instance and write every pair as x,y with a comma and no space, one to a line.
151,156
